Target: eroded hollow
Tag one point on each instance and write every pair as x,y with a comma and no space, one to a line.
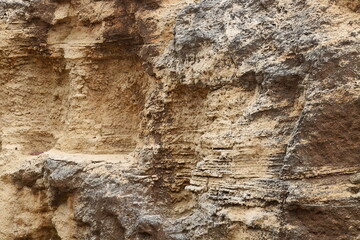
353,5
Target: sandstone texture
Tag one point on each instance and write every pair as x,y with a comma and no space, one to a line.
179,119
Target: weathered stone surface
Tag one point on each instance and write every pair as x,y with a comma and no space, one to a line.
171,119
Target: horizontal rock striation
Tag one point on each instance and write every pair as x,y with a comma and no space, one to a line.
170,119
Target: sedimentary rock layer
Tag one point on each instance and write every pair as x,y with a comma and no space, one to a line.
174,119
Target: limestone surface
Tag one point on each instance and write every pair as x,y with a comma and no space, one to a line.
179,119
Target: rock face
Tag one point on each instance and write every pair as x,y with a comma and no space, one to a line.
174,119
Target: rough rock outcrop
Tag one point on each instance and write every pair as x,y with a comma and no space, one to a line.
171,119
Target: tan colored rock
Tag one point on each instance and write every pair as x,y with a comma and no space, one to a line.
179,119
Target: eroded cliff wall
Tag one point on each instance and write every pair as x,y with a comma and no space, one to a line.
174,119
